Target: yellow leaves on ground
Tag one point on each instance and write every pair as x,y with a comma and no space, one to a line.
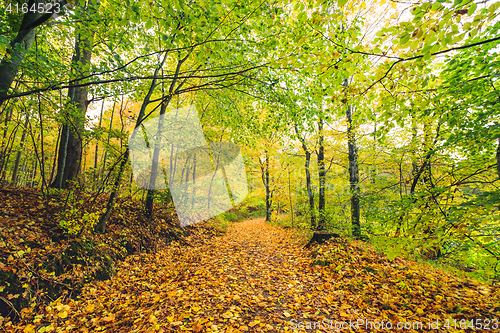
63,314
29,329
90,308
63,311
109,318
257,278
227,315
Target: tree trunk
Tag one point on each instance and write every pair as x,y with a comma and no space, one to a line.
427,174
498,158
4,141
9,144
109,136
413,147
264,167
54,162
322,179
156,153
310,194
353,175
96,155
414,165
42,147
9,66
70,152
19,153
33,176
268,191
101,225
154,167
290,195
22,178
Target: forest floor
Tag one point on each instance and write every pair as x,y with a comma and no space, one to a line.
259,278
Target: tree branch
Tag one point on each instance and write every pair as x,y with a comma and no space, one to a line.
432,54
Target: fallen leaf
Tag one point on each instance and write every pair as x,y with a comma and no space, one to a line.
62,314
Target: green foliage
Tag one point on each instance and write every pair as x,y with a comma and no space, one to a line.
230,216
220,223
74,224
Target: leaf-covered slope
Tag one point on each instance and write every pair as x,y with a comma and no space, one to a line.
40,260
258,278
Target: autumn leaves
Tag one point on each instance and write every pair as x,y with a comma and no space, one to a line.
258,278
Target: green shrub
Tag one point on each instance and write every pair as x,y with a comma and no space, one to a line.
230,216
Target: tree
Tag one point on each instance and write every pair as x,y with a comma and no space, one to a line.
310,194
70,150
353,174
321,177
13,58
264,166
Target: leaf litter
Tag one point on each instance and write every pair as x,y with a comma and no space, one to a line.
259,278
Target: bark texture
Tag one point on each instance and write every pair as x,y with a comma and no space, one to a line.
310,194
322,179
70,151
353,175
264,166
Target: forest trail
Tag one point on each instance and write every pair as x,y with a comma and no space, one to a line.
258,278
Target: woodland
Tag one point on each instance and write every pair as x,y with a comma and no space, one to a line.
370,137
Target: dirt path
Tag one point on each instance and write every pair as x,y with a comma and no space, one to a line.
245,280
257,278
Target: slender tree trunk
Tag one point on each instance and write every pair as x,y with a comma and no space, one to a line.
413,147
353,175
9,144
290,195
41,139
33,176
433,251
427,175
96,155
4,172
400,167
101,225
414,165
269,196
310,194
154,167
267,185
264,168
156,153
22,177
55,156
4,141
84,158
322,179
122,124
37,156
109,136
131,181
498,158
19,153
